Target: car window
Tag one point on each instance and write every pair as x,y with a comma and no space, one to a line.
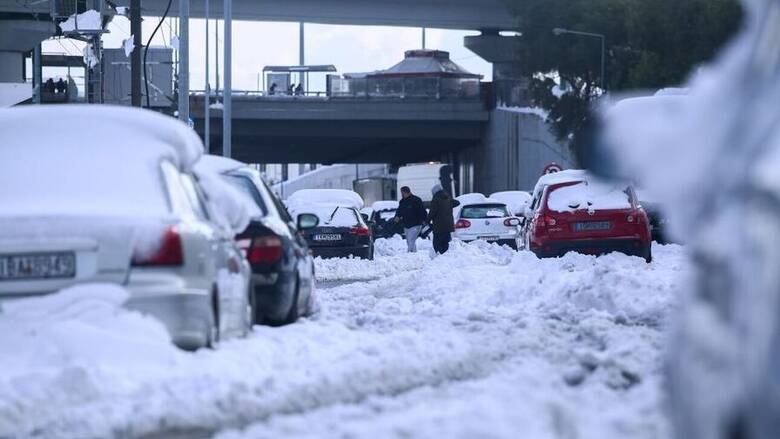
177,195
245,186
484,211
281,209
194,197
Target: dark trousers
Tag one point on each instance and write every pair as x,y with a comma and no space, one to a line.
441,242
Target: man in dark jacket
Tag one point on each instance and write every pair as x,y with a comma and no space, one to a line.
411,214
442,221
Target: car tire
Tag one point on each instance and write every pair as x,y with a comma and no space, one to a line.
647,254
293,315
212,337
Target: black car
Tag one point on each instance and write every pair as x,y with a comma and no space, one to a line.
382,224
282,266
335,231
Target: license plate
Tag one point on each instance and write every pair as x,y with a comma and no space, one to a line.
489,238
38,266
592,225
327,237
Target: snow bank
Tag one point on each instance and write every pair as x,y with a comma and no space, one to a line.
479,342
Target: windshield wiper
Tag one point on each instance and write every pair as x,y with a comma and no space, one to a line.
333,214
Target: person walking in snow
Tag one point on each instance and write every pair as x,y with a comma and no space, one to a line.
411,213
441,218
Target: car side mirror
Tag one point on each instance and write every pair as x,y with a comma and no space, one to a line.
365,217
307,221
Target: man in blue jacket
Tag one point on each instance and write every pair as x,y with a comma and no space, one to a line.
412,215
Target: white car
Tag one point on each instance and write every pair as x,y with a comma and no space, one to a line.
107,195
516,201
482,218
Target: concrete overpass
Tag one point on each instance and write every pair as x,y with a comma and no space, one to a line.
446,14
311,130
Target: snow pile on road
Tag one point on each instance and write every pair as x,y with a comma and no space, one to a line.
479,342
391,258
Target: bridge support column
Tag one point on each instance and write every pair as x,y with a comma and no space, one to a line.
17,38
509,85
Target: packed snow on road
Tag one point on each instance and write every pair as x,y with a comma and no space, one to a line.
479,342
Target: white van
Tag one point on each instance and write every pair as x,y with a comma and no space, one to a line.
421,178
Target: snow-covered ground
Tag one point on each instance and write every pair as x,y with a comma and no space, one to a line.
479,342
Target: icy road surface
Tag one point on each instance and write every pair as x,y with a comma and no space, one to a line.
481,342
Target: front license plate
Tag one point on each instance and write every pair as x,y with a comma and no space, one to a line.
38,266
327,237
489,238
592,225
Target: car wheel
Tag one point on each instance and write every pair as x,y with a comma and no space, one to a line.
647,253
213,332
292,316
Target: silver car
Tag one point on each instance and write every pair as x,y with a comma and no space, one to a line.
106,194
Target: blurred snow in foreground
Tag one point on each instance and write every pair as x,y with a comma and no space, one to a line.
479,342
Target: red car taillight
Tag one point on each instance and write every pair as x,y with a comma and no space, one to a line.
463,224
169,253
265,250
360,231
550,221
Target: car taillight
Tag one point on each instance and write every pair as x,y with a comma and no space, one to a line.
360,231
169,253
463,224
512,222
630,218
264,250
550,221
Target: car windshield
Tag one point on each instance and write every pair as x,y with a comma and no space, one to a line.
387,214
590,195
246,187
484,211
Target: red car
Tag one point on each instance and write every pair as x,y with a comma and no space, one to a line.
582,215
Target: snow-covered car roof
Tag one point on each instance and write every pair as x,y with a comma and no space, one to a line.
384,205
592,195
341,197
218,164
565,176
114,126
515,200
89,160
475,198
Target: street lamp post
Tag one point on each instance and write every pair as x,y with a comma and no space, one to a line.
560,31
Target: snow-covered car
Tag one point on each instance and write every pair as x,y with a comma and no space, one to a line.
577,212
486,219
516,201
334,231
107,195
381,219
282,268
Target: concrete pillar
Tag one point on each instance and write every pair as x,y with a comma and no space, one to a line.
184,61
17,38
509,85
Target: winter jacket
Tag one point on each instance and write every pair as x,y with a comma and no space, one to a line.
411,211
440,215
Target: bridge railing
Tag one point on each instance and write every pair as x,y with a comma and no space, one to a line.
405,87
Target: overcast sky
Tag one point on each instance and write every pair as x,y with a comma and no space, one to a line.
257,44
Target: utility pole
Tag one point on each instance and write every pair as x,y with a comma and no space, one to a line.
37,66
227,99
184,61
301,53
207,98
135,57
